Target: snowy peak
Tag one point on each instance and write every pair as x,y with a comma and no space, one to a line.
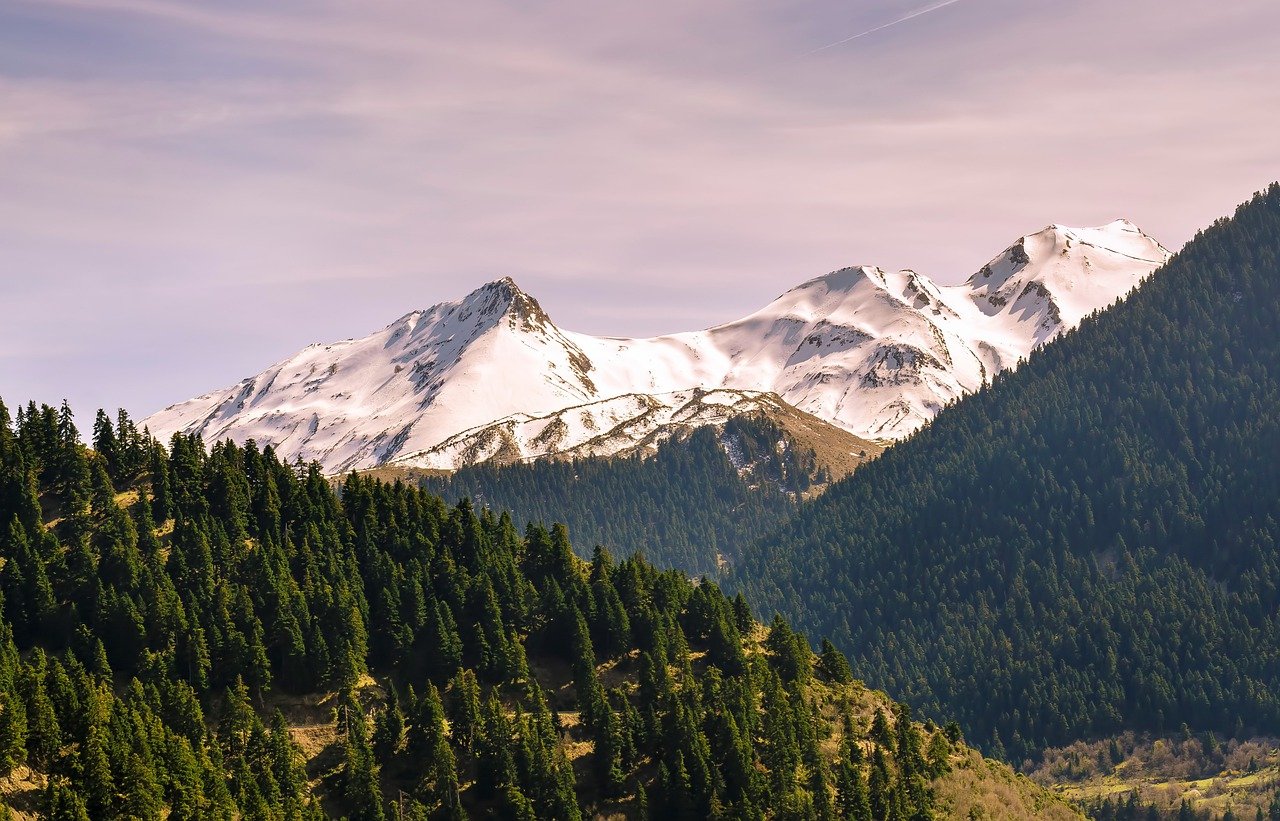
503,299
428,375
1119,239
1055,277
491,377
491,305
838,283
839,291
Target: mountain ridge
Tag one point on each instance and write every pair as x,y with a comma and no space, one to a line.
876,353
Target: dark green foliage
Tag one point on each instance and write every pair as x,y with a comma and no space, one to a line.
789,652
140,659
1130,808
388,734
853,801
686,507
1090,543
835,667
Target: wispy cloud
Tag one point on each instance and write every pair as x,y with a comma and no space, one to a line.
913,15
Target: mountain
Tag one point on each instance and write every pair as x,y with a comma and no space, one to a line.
627,425
491,377
692,505
192,634
1089,545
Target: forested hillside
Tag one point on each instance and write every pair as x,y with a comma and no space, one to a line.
1088,545
220,635
690,506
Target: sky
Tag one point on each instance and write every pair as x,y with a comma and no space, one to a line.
191,191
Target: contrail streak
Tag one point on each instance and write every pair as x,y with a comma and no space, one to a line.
913,15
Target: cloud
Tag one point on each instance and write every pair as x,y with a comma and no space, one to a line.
896,21
210,186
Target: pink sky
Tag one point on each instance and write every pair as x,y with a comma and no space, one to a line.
190,191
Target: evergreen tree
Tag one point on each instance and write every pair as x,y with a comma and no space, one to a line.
389,732
440,790
63,804
13,732
835,667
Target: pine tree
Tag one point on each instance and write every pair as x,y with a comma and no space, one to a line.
788,652
63,804
361,791
516,806
464,713
142,798
440,642
440,788
105,443
851,788
161,504
880,787
389,731
495,766
607,757
881,734
939,755
13,732
907,746
742,617
99,788
285,769
835,667
44,735
427,729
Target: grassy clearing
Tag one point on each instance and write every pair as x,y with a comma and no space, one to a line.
1209,774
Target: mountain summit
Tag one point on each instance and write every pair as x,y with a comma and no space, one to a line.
500,299
490,376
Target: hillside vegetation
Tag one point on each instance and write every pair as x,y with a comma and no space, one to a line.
191,634
694,505
1090,544
1179,776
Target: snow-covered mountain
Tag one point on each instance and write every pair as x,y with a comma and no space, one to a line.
876,353
634,423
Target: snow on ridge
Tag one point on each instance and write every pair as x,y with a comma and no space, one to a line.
620,425
490,376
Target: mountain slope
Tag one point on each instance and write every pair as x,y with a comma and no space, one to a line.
873,352
1089,544
225,638
692,506
627,425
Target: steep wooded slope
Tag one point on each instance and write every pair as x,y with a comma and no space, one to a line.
692,506
1091,543
212,635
